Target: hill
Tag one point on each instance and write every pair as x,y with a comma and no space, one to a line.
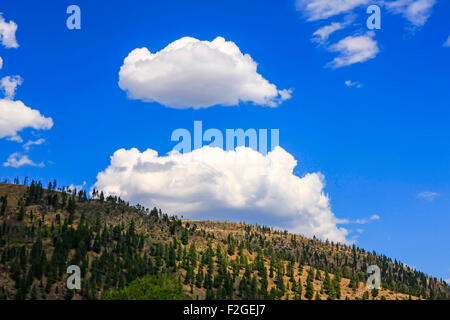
116,246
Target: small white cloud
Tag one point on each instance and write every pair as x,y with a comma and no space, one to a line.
416,12
447,42
321,35
210,183
16,116
355,84
198,74
73,187
323,9
358,49
30,143
8,33
360,230
428,195
15,138
9,85
360,221
354,49
1,62
17,160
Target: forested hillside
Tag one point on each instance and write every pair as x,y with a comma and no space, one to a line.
118,246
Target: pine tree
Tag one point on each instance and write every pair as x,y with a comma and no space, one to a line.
209,294
326,284
300,288
309,294
318,275
199,278
33,294
280,283
4,201
185,237
374,292
365,295
21,214
264,284
336,284
354,281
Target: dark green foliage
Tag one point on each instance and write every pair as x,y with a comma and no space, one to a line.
150,287
354,281
309,285
365,295
185,237
21,214
4,204
374,292
71,206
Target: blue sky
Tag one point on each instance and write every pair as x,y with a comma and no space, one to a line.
379,146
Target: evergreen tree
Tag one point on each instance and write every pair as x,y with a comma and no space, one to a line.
374,292
309,287
185,237
365,295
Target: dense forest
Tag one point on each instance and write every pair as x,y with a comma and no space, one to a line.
121,249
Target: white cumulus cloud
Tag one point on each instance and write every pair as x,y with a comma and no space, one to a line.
239,185
16,116
8,33
354,49
17,160
199,74
9,85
